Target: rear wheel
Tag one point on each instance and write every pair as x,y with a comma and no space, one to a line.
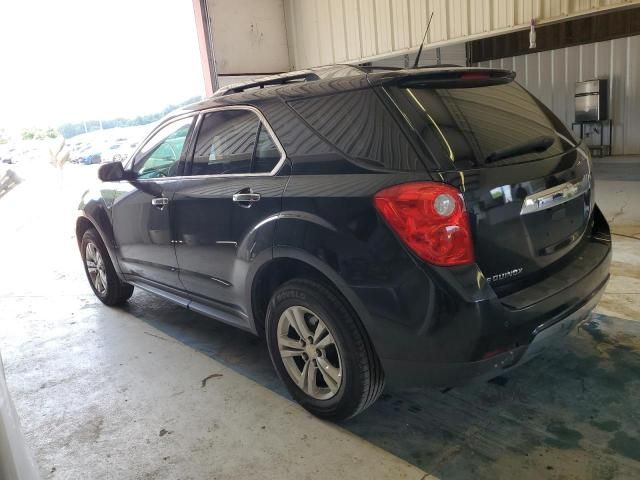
321,351
100,272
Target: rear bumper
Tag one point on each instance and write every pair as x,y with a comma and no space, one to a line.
479,336
416,374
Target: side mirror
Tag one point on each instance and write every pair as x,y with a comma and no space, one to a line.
113,172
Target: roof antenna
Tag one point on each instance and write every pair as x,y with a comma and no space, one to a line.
415,64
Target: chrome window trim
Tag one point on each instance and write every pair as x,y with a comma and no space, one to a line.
276,141
201,113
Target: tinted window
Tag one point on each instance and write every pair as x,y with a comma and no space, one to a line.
225,143
267,154
466,125
160,156
358,124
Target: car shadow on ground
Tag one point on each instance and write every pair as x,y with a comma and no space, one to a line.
573,412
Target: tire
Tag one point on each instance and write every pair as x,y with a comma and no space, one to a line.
345,369
109,288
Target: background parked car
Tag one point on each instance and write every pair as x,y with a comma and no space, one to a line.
6,156
125,152
109,154
91,158
118,152
78,151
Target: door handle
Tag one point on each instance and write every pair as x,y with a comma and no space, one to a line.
160,203
245,199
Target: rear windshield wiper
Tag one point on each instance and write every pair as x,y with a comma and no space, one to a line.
535,145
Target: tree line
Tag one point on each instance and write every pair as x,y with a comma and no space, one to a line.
69,130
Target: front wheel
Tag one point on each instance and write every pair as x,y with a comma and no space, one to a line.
100,272
321,350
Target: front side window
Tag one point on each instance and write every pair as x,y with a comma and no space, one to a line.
160,156
233,141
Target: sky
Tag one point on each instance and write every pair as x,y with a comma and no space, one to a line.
69,60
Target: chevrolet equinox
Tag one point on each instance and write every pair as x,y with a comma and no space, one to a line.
422,226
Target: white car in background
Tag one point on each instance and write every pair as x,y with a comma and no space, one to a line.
108,154
16,462
118,152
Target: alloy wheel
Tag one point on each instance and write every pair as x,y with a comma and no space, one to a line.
96,268
309,353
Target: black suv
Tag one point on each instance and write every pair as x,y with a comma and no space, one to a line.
424,226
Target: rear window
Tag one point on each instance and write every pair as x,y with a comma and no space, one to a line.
358,124
467,125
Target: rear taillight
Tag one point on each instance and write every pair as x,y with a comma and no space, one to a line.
431,219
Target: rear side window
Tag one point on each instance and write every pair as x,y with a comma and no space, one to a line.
360,127
468,125
267,154
234,141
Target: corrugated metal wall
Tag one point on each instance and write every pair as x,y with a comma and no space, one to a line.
450,54
552,75
322,32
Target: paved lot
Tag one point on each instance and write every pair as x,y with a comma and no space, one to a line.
120,393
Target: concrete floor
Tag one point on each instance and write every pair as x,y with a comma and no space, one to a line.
618,191
121,393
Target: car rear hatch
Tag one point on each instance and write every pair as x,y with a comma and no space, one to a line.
527,186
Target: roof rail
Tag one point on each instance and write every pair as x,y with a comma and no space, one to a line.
262,82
